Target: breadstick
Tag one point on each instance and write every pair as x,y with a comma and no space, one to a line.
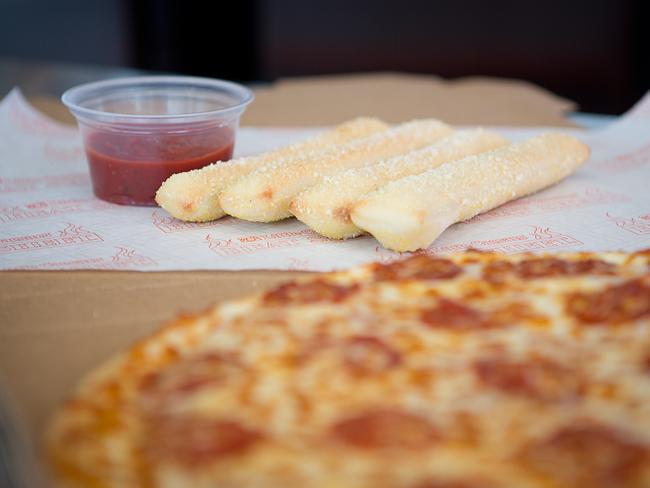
325,207
193,195
265,194
410,213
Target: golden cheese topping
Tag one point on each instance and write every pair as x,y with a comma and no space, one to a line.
463,371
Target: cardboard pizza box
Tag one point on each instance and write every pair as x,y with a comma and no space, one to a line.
57,325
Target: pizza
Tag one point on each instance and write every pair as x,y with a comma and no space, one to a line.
472,370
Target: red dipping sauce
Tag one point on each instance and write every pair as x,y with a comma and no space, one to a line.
139,131
128,168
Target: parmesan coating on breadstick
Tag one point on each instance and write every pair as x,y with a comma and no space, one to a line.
325,207
265,195
193,195
410,213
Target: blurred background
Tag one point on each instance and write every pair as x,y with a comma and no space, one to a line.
595,52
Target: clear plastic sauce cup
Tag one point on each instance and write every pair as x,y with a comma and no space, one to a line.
139,131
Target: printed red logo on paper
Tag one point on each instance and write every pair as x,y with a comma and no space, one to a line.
123,258
167,224
540,239
542,204
262,242
129,258
71,235
46,208
639,225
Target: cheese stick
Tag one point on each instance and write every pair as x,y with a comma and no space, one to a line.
193,195
325,207
265,194
410,213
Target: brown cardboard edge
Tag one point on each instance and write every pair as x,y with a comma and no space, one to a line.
65,323
311,100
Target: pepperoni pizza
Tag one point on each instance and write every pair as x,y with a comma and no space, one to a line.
476,370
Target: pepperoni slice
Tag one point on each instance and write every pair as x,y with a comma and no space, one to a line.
310,292
587,456
385,429
620,303
197,441
453,316
538,378
366,355
184,377
593,266
498,271
543,268
548,267
418,267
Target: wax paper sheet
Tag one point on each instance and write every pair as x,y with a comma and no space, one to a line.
49,218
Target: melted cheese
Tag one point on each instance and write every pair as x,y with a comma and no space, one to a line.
398,375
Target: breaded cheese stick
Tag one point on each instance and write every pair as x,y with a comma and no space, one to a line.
410,213
325,207
265,194
193,195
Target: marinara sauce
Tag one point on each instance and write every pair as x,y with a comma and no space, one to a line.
128,167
